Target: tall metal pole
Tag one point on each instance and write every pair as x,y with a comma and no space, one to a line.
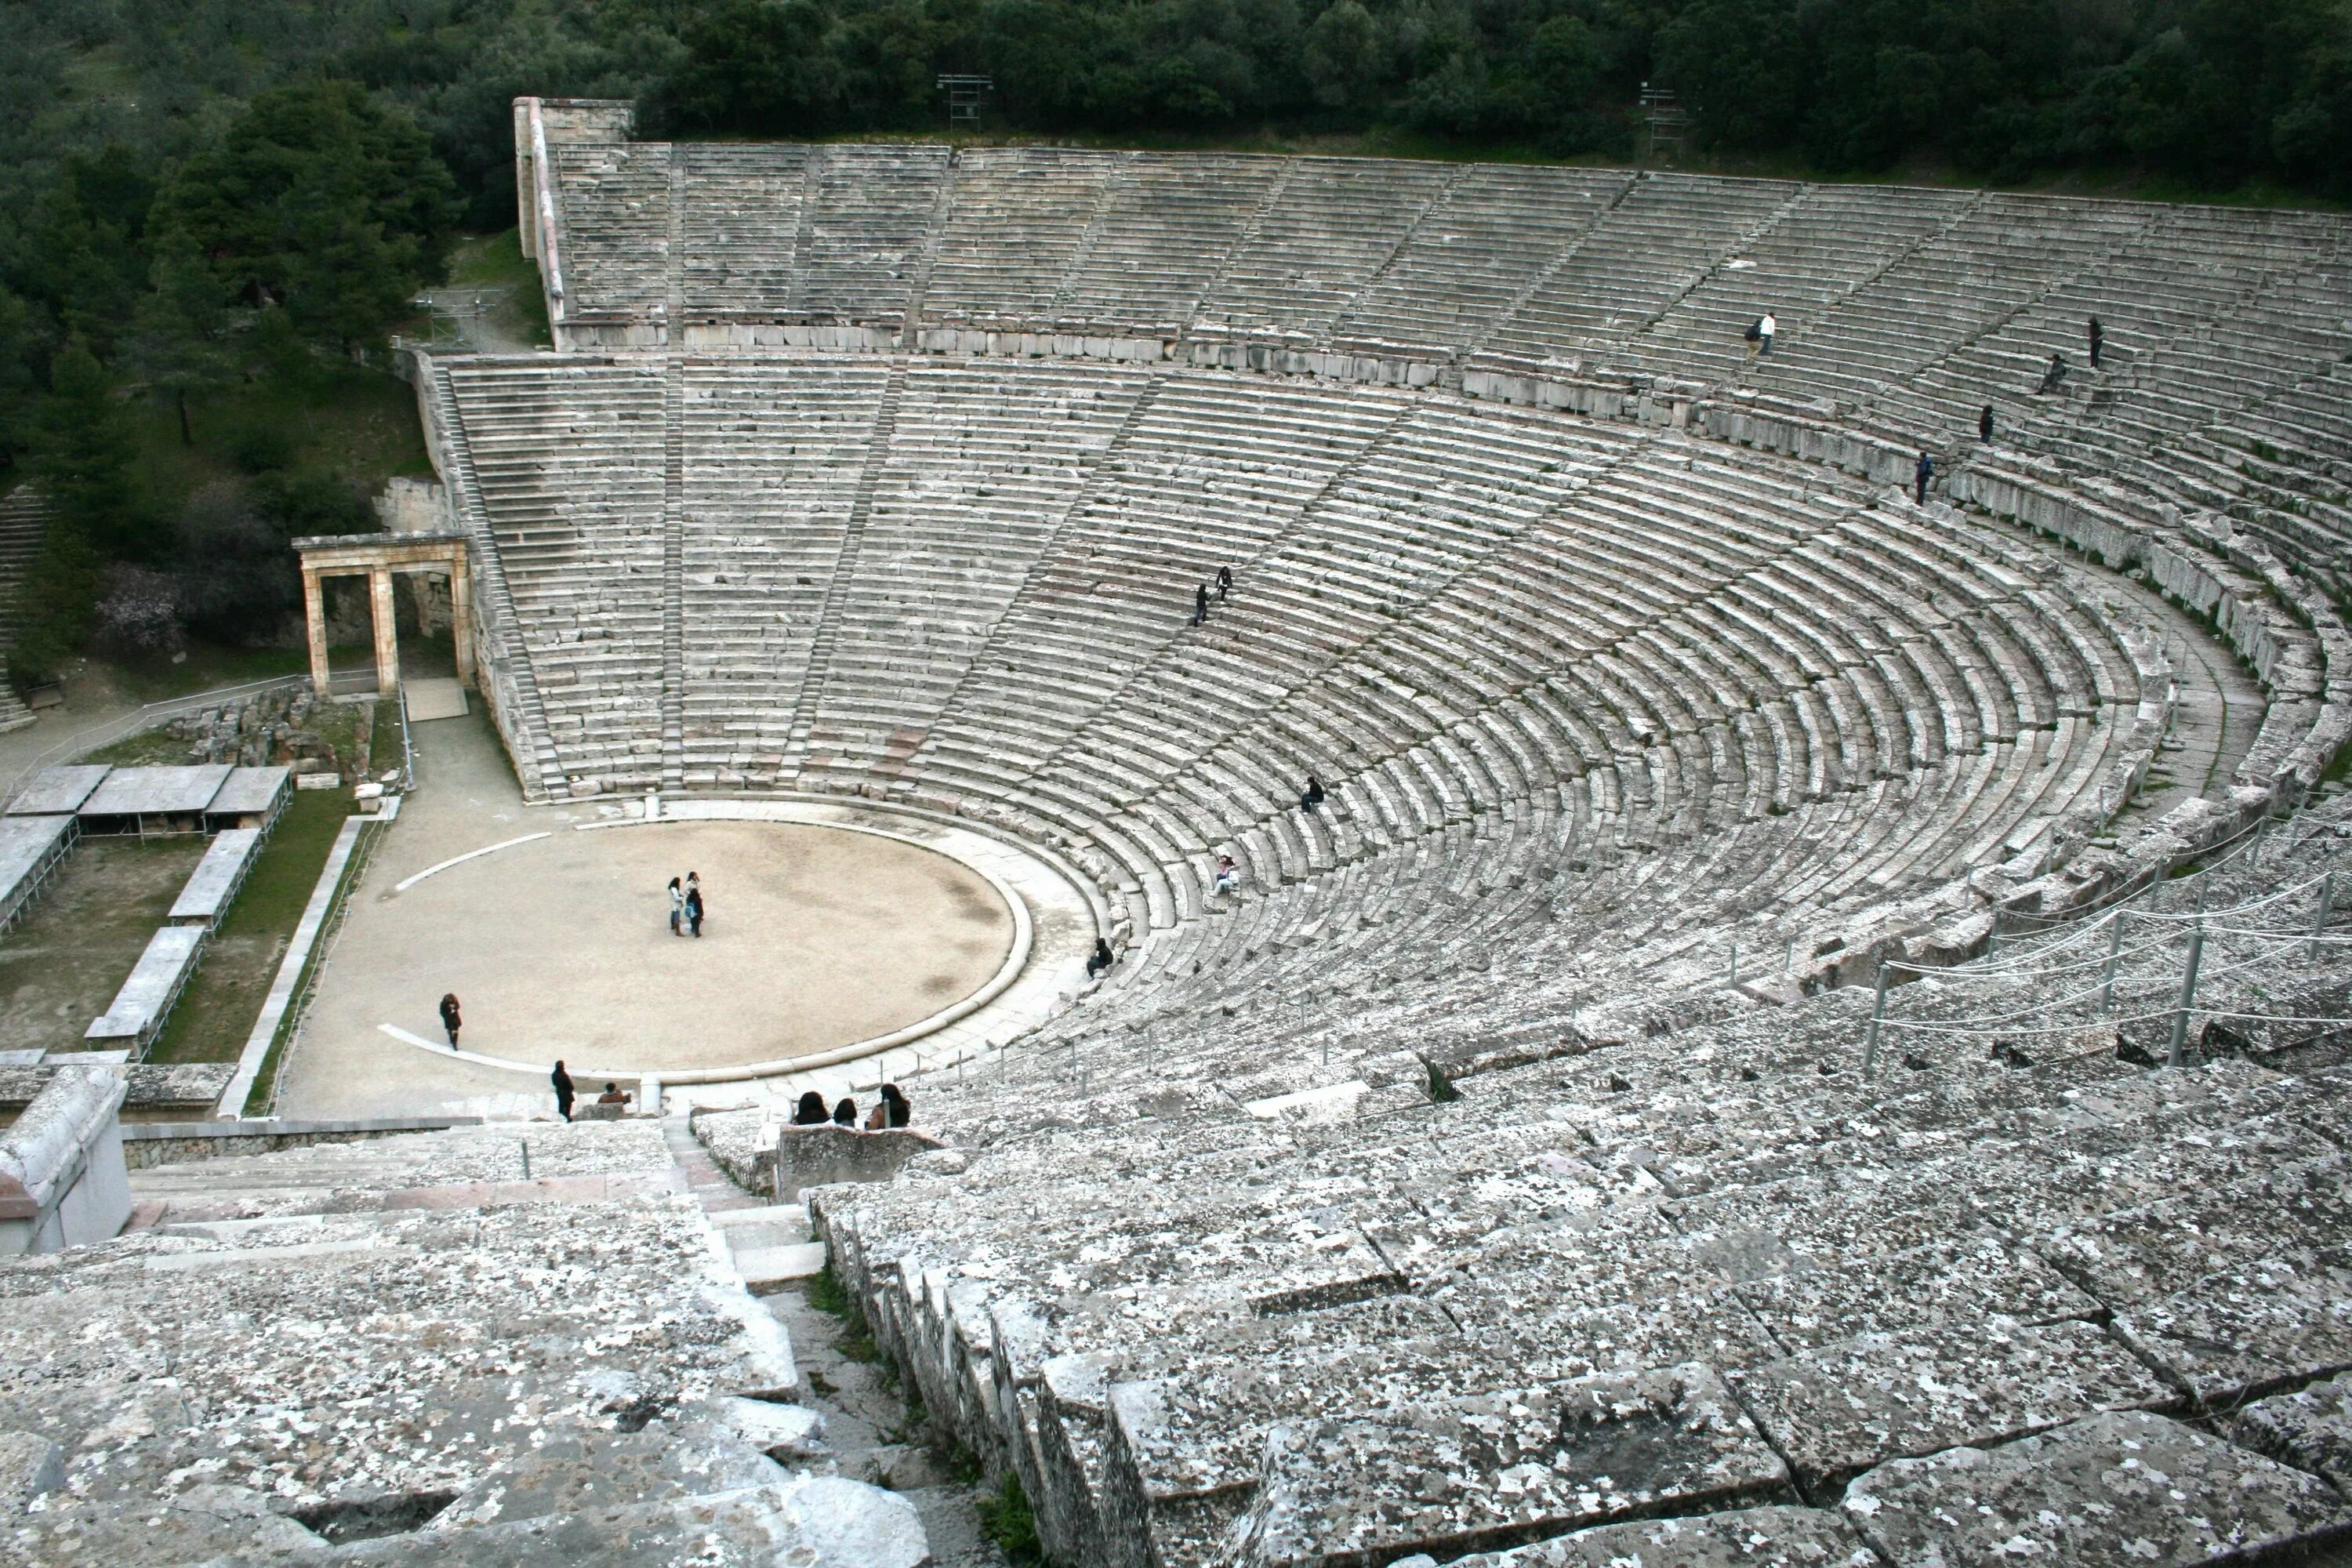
1877,1016
2107,974
1734,961
2326,908
2187,994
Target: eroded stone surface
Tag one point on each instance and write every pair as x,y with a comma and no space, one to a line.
1456,1475
2311,1428
1776,1537
1844,1408
2114,1491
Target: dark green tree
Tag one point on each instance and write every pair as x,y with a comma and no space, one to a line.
766,67
317,199
81,459
178,330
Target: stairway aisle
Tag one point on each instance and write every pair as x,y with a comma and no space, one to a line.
862,1428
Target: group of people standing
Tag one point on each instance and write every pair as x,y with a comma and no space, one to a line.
892,1109
686,910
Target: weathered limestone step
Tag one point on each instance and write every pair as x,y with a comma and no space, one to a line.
2112,1491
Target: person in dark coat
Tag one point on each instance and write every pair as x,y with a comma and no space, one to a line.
562,1083
2053,376
901,1112
2098,342
1311,797
1099,960
1920,475
1225,583
694,909
1199,604
1984,423
449,1019
810,1111
846,1113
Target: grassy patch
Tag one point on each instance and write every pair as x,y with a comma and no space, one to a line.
209,667
1006,1519
225,995
497,261
827,1295
257,1099
342,418
61,967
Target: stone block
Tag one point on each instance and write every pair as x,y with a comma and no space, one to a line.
1776,1537
2113,1491
818,1156
1464,1474
1845,1407
2310,1428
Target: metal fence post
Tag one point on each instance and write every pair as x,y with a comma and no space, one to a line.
1734,961
2187,994
2326,908
2107,974
1877,1016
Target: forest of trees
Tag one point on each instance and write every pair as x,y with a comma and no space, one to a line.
221,196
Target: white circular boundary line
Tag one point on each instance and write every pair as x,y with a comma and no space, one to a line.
402,885
1015,961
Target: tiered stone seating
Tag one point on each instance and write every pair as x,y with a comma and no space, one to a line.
1463,267
567,455
23,525
741,229
1326,232
619,193
1161,234
1833,241
862,232
2002,255
1645,252
772,465
983,460
1710,1234
1019,219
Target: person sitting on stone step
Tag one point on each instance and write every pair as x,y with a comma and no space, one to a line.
846,1113
1311,798
1228,875
811,1110
614,1095
1098,961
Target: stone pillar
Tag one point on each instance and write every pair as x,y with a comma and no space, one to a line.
461,617
387,634
314,618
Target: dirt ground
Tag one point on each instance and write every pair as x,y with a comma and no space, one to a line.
60,968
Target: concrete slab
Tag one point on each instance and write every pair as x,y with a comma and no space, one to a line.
157,792
60,789
433,697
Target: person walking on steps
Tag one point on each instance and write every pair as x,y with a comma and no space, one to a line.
2098,342
449,1019
562,1083
1923,471
677,907
1225,583
2051,376
1984,425
1311,797
1199,604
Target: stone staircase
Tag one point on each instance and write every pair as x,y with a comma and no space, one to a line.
845,574
21,530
